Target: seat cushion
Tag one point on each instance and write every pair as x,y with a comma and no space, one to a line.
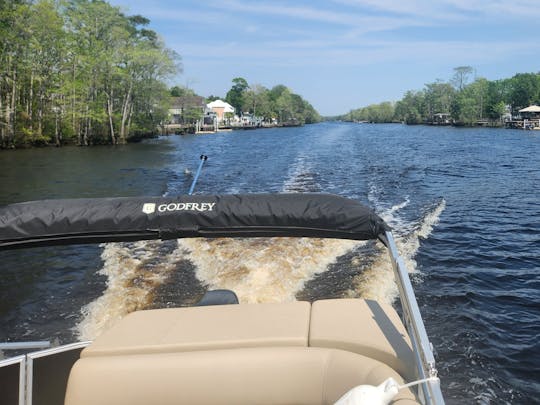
266,375
364,327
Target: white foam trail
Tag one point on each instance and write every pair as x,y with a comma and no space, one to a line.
398,207
409,244
300,177
263,269
130,283
377,282
431,219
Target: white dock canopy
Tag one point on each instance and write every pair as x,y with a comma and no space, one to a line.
530,109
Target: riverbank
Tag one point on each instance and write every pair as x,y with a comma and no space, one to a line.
179,129
46,142
183,129
511,124
165,130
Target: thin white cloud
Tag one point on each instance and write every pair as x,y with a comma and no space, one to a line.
434,10
272,41
451,10
181,15
299,54
376,23
499,8
238,13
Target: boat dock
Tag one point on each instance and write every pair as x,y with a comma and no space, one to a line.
533,124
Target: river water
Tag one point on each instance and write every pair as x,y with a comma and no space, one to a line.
464,205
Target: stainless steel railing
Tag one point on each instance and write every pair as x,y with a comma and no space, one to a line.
49,368
425,361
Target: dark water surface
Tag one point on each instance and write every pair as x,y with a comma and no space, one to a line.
464,203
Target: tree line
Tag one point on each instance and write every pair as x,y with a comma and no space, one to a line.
278,103
464,98
79,71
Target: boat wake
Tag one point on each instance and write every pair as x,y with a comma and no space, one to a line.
256,269
133,271
263,269
377,281
302,177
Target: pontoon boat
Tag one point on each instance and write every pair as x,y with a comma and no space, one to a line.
223,352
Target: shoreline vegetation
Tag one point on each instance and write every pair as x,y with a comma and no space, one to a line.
254,107
82,72
79,71
462,101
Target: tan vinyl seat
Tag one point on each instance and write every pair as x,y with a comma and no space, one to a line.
365,327
253,354
205,328
265,375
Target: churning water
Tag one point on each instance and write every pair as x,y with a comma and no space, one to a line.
464,205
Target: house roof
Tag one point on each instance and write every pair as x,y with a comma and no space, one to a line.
187,101
221,104
531,108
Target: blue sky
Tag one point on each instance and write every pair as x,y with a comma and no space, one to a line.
343,54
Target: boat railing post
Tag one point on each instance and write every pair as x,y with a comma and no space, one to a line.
9,391
33,357
415,326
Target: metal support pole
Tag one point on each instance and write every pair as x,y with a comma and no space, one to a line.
25,345
203,159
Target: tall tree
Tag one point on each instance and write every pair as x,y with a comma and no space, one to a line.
116,61
284,106
411,109
235,96
497,98
438,97
46,48
525,90
256,101
461,76
13,62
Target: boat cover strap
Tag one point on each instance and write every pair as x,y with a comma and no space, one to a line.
96,220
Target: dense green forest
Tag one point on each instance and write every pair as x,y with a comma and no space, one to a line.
79,71
83,72
467,101
278,103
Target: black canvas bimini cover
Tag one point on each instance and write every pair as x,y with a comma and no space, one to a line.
74,221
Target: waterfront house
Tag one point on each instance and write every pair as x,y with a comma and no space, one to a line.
220,108
186,109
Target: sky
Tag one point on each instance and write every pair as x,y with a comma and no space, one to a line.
343,54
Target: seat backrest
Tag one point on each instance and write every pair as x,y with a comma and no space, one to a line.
206,328
365,327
